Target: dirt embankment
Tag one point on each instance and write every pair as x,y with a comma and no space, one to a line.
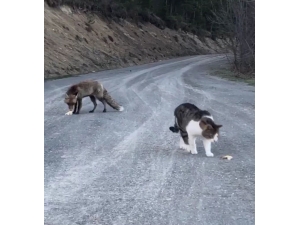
76,43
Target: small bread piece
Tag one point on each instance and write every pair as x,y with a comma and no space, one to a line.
228,157
69,113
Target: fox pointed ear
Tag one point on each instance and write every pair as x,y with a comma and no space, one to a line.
219,126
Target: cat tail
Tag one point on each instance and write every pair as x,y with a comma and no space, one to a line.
174,129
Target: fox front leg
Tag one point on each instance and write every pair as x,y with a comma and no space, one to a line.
79,105
75,107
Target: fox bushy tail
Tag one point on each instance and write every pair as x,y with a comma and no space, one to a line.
111,102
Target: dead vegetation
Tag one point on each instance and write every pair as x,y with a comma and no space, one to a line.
236,21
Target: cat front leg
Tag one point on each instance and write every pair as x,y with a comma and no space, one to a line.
184,141
182,145
192,146
207,147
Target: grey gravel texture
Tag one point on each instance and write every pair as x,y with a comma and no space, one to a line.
127,168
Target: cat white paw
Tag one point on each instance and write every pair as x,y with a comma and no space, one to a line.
210,154
194,152
193,149
69,113
185,147
182,145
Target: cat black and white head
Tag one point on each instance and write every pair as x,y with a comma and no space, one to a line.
210,130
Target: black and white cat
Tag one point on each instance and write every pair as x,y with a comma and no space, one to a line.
193,122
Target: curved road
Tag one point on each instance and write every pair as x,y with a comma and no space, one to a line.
127,168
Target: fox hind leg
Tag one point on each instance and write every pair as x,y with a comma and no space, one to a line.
104,104
93,99
101,99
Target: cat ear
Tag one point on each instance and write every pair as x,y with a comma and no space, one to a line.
204,125
203,120
208,126
219,126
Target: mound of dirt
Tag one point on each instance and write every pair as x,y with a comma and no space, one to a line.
77,43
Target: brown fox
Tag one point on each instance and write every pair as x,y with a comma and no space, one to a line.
93,89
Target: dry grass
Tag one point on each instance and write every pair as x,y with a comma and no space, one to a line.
225,71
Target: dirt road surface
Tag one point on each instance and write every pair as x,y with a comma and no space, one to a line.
127,168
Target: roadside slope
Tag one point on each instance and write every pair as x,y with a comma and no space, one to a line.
77,43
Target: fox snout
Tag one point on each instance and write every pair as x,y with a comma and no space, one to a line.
71,107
